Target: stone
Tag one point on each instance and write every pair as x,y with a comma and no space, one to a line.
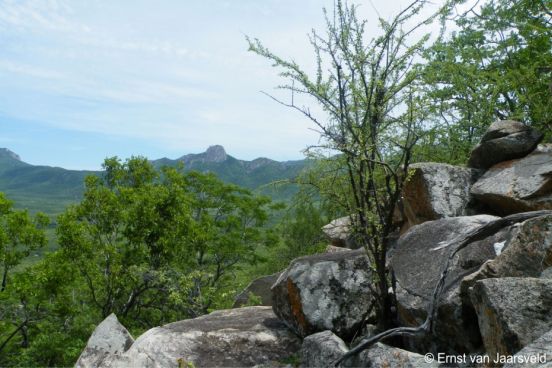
504,140
380,356
333,249
109,338
322,349
528,253
418,262
231,338
512,312
329,291
435,191
259,287
338,232
518,185
539,350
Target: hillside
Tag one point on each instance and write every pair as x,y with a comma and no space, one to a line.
51,189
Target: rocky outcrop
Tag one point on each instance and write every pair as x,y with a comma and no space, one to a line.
380,355
339,233
536,354
504,140
322,349
435,191
328,291
518,185
259,287
418,262
527,254
109,338
231,338
512,312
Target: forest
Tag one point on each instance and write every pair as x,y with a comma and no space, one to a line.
157,245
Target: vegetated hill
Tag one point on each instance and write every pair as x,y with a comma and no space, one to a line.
39,188
52,189
256,175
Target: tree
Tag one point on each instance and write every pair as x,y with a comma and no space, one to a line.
498,65
19,236
373,117
158,246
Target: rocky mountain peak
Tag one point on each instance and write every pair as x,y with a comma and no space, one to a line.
215,153
4,152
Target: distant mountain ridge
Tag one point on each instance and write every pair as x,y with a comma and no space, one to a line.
52,189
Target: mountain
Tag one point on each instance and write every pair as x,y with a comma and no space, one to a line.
249,174
52,189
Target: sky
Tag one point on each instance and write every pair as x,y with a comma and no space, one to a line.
84,80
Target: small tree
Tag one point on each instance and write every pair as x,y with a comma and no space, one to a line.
367,89
19,236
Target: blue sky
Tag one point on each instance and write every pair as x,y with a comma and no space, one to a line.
83,80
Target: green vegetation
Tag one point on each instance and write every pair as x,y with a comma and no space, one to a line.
154,243
52,189
152,246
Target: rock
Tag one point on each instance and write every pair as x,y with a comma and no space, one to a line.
329,291
539,350
435,191
259,287
339,232
236,337
322,349
504,140
333,249
512,312
527,254
380,356
109,338
418,266
518,185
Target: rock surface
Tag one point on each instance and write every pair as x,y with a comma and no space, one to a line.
259,287
339,232
109,338
527,254
333,249
417,266
321,349
512,312
230,338
383,356
540,350
518,185
504,140
436,191
321,292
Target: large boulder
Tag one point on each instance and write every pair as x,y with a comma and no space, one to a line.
435,191
381,356
518,185
512,312
328,291
259,287
504,140
536,354
339,231
418,262
527,254
322,349
241,337
109,338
